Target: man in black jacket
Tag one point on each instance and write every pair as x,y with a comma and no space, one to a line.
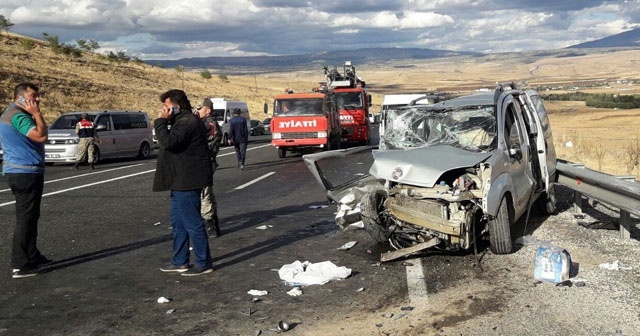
239,136
184,168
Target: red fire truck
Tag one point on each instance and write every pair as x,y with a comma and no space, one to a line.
305,122
353,103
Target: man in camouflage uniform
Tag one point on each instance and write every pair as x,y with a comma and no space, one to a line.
209,207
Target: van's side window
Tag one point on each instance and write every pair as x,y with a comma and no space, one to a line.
137,121
512,131
103,120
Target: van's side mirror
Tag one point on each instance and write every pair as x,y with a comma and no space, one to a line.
266,108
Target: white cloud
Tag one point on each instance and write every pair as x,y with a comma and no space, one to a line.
171,29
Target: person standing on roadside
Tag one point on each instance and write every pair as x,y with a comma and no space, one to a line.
239,136
87,134
184,168
208,204
23,133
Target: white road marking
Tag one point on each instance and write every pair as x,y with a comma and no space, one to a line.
86,185
83,175
254,181
248,149
416,282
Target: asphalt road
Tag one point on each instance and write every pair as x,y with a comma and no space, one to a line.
109,233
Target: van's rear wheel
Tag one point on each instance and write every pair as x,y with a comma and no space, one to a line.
500,230
145,151
282,153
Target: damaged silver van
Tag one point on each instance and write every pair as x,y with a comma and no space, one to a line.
448,173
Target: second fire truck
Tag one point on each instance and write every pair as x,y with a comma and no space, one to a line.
353,103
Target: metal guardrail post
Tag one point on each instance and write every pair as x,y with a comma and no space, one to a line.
621,192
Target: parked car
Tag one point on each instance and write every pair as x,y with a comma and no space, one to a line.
257,128
267,125
447,173
120,133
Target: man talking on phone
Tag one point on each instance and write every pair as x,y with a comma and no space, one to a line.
184,168
23,133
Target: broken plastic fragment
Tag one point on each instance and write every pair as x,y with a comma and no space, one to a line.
170,311
317,206
296,291
158,223
256,292
348,245
163,299
361,289
264,227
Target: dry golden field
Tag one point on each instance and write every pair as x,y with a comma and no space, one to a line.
605,140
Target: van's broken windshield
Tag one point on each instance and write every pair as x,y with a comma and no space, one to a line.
472,128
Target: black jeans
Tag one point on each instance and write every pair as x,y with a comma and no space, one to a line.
27,189
241,152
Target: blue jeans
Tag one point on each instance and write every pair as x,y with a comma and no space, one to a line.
27,189
241,152
188,224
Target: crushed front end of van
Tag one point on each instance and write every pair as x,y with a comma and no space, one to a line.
446,174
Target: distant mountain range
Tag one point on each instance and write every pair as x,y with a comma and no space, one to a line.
253,64
628,39
329,58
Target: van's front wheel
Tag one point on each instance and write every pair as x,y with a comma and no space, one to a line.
145,151
282,153
500,230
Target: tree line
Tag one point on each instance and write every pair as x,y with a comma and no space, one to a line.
599,100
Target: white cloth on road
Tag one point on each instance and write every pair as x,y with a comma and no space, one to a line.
307,273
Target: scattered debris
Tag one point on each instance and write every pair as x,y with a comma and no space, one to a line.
264,227
566,283
163,299
318,206
356,225
580,284
283,326
407,308
361,289
614,266
296,291
552,264
304,274
256,292
170,311
156,224
348,245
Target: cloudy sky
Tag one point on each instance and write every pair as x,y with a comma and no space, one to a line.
173,29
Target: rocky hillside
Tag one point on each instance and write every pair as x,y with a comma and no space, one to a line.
93,82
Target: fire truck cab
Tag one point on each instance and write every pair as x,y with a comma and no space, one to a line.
304,122
353,103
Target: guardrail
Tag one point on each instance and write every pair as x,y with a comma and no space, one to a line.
621,192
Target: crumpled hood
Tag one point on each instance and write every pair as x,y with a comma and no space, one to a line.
422,166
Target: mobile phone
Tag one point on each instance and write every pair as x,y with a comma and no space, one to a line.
175,110
22,100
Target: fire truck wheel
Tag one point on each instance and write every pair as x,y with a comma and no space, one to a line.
282,153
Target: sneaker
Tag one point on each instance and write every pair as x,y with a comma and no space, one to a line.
241,167
174,268
41,260
197,270
24,273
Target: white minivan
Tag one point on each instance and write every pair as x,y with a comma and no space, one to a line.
120,133
223,112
